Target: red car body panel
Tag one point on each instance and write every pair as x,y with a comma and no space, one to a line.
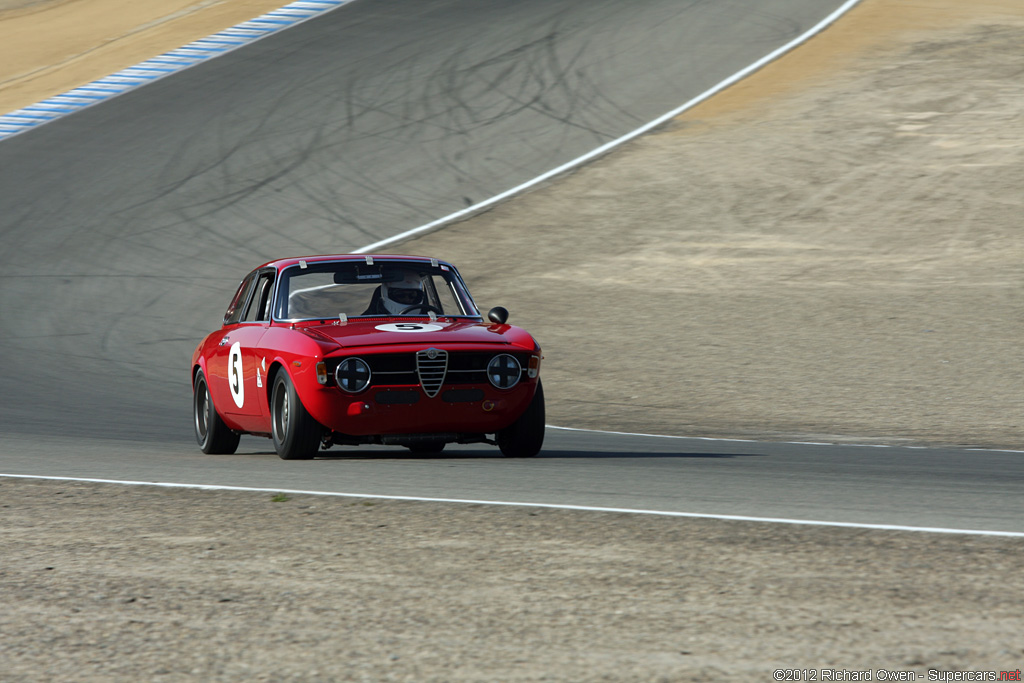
241,359
364,332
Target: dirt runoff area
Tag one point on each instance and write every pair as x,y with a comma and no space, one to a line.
150,584
51,46
830,248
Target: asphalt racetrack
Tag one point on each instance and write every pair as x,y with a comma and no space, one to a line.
126,226
856,485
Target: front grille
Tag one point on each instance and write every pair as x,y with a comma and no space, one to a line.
402,369
431,367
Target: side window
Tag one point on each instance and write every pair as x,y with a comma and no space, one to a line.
259,303
237,305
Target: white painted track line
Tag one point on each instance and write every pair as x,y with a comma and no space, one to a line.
794,443
548,506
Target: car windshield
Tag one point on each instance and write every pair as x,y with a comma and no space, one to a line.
381,288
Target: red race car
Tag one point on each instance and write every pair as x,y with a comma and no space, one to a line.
355,349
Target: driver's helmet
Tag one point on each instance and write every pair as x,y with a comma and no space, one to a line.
398,296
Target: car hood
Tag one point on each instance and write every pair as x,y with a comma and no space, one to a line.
381,331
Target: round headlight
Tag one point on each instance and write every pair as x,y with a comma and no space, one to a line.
352,375
504,371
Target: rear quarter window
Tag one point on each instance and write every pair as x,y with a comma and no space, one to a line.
237,305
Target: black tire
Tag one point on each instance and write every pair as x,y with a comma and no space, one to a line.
524,437
427,447
212,434
296,434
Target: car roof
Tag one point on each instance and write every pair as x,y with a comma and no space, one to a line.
294,261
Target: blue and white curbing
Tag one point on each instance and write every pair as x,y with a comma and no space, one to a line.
164,65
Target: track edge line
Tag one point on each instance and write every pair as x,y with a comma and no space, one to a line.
549,506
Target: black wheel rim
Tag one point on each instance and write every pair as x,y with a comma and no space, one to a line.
282,408
202,411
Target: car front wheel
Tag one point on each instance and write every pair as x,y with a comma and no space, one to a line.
524,437
296,434
212,434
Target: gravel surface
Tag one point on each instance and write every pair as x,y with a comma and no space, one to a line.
105,583
48,47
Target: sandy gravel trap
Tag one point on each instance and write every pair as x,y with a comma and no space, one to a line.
105,583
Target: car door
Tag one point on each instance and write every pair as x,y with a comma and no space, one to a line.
220,366
239,379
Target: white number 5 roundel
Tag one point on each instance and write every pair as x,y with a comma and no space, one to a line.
409,327
235,375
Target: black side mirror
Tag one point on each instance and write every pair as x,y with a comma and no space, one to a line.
498,314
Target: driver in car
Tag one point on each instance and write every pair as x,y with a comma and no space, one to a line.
394,297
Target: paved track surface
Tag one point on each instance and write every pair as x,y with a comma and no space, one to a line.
125,227
971,490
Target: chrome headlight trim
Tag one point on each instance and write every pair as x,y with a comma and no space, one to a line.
504,371
353,375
